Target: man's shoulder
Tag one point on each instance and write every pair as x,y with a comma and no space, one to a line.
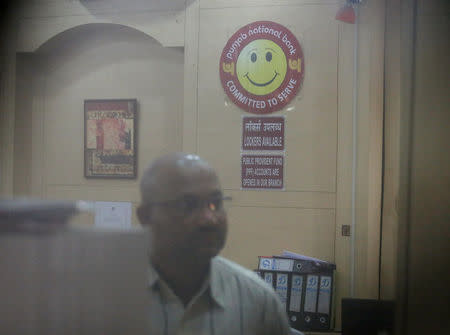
233,283
230,270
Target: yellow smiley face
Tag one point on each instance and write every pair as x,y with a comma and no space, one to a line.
261,67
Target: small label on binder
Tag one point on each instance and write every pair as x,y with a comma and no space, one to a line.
311,293
265,263
324,295
268,278
277,264
282,264
296,293
281,287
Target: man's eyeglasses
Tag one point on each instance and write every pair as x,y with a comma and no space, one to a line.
189,204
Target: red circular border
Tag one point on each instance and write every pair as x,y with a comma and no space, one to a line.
290,73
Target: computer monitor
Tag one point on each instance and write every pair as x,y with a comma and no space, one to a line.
58,278
367,316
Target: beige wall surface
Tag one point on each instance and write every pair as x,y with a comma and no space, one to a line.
94,62
310,136
39,20
308,215
94,59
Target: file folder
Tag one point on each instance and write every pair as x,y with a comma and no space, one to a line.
307,265
265,263
281,282
269,278
281,287
308,293
295,311
312,285
275,264
324,303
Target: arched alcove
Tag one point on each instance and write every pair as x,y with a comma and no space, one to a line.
92,61
58,38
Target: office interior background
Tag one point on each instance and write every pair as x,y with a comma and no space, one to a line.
56,54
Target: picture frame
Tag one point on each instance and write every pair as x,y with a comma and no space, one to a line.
110,133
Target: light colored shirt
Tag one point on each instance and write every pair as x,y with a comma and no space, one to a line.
232,301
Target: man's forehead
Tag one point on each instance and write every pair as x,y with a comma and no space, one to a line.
185,167
187,175
179,162
177,175
189,159
186,182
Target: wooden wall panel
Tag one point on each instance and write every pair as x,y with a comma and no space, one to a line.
258,231
307,217
98,63
311,130
123,64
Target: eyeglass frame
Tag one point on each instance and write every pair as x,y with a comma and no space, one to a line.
179,204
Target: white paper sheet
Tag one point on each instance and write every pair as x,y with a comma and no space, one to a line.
113,214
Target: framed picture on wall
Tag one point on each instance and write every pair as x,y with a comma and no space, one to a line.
110,138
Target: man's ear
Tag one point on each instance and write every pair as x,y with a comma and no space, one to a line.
143,213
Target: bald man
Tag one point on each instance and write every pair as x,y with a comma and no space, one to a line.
192,290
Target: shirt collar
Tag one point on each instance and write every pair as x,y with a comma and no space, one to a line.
216,283
153,276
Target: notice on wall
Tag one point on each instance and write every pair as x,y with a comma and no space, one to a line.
262,171
262,133
113,214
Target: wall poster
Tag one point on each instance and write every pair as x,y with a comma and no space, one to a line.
113,214
110,138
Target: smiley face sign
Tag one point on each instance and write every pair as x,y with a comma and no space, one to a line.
262,67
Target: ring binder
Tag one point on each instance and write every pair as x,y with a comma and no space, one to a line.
305,287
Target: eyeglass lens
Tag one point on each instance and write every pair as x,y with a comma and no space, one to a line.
190,204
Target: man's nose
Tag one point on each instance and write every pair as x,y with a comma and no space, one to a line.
208,215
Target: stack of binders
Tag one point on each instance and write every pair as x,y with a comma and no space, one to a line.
305,286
